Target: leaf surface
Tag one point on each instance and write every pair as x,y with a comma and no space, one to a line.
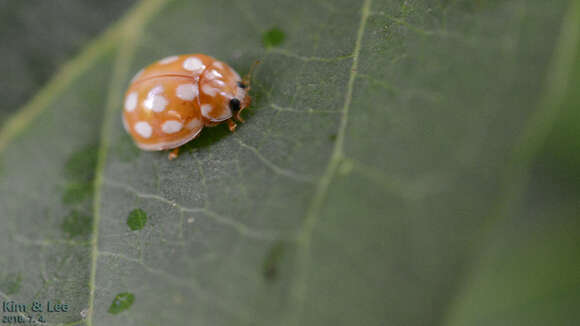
404,163
38,36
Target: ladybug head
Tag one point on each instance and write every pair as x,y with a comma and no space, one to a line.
244,88
241,101
235,105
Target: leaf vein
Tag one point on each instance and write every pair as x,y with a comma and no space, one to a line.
274,167
131,30
305,234
239,227
293,55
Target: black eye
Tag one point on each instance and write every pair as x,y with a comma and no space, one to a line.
241,85
235,104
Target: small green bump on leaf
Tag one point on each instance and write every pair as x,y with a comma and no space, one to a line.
271,265
80,166
122,302
11,283
77,192
137,219
332,137
77,224
273,37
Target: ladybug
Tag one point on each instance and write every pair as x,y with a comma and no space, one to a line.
169,102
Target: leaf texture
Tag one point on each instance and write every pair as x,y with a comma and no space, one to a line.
404,163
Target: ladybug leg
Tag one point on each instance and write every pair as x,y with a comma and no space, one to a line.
239,117
232,125
245,104
173,154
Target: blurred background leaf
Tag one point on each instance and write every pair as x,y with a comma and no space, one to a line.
37,36
404,163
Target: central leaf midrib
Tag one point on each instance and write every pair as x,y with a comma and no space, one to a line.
131,30
311,216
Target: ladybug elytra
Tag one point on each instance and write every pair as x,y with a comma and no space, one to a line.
169,102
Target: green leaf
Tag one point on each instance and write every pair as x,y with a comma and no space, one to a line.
10,284
137,219
77,224
122,302
403,163
38,36
272,261
273,37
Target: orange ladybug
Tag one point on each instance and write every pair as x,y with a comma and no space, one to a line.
169,102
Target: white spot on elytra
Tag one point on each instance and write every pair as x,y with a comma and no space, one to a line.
131,102
193,64
155,101
205,109
194,123
214,74
186,92
190,220
218,83
167,60
211,91
219,65
143,129
171,126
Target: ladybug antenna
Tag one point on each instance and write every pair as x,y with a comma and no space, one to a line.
248,76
